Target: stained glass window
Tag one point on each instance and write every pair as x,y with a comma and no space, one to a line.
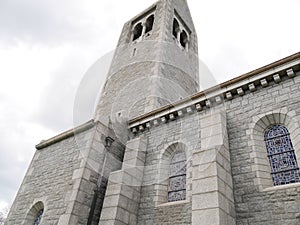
177,178
281,154
38,218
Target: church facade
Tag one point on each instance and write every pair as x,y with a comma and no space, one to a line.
159,151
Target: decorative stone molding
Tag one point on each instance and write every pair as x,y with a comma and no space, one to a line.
276,72
70,133
33,213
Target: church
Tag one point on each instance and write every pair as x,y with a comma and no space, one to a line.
158,151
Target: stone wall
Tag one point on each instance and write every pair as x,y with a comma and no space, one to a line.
49,180
254,202
268,206
154,209
63,177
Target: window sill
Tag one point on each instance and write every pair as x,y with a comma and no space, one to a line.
282,187
173,203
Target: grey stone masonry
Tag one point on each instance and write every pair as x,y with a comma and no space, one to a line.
63,176
153,70
122,196
212,199
241,187
51,179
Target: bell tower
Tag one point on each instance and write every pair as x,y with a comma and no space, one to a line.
155,63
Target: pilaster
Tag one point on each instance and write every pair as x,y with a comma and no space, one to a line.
122,196
212,197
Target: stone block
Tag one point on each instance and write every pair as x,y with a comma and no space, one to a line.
204,170
108,213
207,217
123,215
213,141
229,95
212,130
205,185
240,91
204,157
112,201
205,201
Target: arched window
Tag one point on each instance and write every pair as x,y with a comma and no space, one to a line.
35,214
175,28
137,31
281,154
177,177
38,218
183,39
149,23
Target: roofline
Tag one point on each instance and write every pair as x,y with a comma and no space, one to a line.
70,133
217,87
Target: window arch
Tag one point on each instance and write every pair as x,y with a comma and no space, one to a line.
177,177
180,34
183,39
137,31
176,28
149,23
281,155
173,161
35,214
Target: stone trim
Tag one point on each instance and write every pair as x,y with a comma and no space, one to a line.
33,211
276,72
174,203
260,165
282,187
65,135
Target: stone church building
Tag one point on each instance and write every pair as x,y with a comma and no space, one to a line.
158,151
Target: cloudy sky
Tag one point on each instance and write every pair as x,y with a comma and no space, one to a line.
47,46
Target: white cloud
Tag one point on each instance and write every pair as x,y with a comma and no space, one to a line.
238,36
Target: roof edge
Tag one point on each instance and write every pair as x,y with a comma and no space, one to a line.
69,133
223,85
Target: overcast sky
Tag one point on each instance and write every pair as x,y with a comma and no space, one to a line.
47,46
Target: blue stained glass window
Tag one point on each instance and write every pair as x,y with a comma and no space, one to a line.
177,178
38,218
281,154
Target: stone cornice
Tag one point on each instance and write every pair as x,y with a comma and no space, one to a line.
70,133
285,68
